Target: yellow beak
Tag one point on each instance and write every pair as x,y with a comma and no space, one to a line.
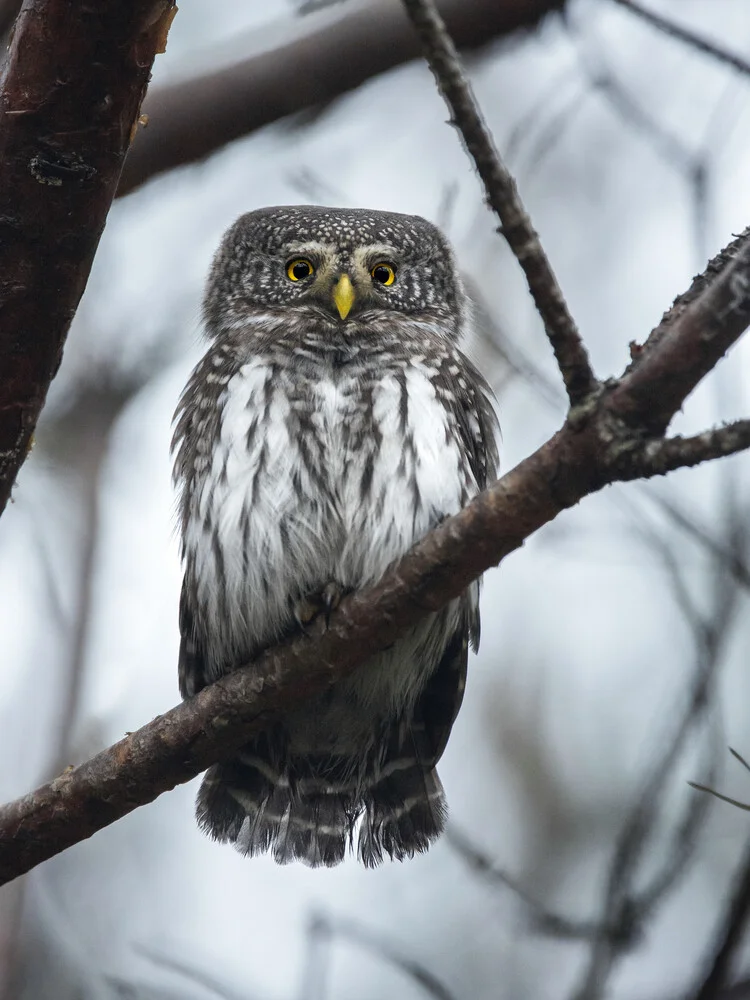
343,295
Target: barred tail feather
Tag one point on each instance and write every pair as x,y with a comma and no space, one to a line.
260,809
404,812
316,830
234,796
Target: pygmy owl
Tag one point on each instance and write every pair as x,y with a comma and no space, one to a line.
331,424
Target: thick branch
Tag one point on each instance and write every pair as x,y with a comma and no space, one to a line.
586,454
70,95
502,196
335,52
697,331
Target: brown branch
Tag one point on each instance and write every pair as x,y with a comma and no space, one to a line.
329,58
584,455
502,196
70,95
690,38
662,456
706,321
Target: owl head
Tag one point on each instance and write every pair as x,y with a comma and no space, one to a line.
342,268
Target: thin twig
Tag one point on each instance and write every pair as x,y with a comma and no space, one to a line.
661,456
545,921
624,909
502,196
730,934
725,798
729,558
323,929
697,42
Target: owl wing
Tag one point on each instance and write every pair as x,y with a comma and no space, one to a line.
190,664
440,701
477,423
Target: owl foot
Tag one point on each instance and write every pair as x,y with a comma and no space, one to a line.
331,596
324,601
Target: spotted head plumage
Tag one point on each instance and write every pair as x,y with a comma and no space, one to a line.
332,422
252,266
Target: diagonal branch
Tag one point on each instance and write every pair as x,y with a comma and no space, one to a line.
689,37
697,331
70,94
502,196
582,457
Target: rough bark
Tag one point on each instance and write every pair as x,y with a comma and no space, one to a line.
70,96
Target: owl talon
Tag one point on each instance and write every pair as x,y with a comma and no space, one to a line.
305,611
331,597
324,602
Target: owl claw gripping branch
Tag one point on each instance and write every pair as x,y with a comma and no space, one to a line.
331,424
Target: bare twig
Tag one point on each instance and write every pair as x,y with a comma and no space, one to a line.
502,196
729,935
543,920
70,95
331,54
625,909
725,798
696,42
688,521
322,931
662,456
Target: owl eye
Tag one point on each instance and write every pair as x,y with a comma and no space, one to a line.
298,269
383,273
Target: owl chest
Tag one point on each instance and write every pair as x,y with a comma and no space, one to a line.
323,478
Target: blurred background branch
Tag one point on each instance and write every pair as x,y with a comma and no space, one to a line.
330,52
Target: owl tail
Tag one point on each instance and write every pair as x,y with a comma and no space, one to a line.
405,810
261,809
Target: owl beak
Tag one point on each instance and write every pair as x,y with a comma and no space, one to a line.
343,295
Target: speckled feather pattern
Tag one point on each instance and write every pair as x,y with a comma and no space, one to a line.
310,451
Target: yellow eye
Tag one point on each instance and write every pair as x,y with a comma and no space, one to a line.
299,268
383,273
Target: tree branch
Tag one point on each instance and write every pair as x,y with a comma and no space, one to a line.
705,321
659,457
502,196
689,37
70,95
334,53
583,456
730,935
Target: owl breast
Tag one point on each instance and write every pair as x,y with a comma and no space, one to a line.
323,475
